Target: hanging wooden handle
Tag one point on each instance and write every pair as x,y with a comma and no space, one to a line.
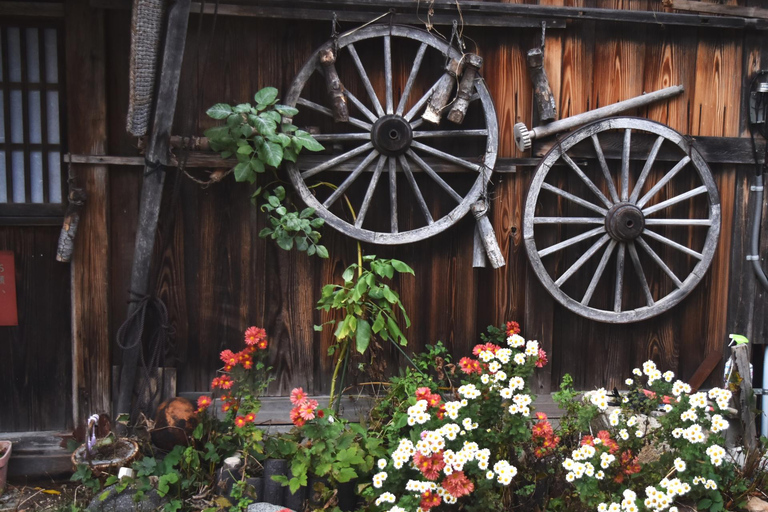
334,86
466,87
542,92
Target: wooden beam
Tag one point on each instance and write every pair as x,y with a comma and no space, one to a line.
728,10
478,12
158,157
37,9
87,131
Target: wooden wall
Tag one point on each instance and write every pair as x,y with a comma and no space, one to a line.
217,277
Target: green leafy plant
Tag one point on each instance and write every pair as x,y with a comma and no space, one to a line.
260,136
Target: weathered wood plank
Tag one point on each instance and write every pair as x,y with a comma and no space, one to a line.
87,130
728,10
37,9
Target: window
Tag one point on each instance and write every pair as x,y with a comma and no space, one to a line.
31,181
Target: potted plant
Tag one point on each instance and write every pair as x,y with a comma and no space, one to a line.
5,457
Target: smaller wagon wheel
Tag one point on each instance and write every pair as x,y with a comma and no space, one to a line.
386,144
618,212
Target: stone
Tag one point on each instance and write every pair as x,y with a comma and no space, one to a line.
755,504
267,507
120,502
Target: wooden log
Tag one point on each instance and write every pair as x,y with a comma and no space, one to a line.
158,157
724,9
87,131
334,87
542,92
442,93
466,88
487,235
71,221
747,395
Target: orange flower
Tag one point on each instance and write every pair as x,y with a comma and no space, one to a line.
225,382
228,357
216,382
430,466
296,417
513,328
458,485
262,344
255,336
226,406
240,422
470,366
203,403
250,417
430,499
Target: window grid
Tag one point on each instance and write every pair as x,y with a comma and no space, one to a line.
30,137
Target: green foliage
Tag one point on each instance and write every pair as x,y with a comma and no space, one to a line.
261,137
85,476
292,228
367,303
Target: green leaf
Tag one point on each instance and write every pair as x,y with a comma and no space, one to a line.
286,110
290,154
311,250
285,243
271,154
257,165
378,325
245,149
219,111
217,132
266,96
279,191
265,127
306,213
345,475
363,338
704,504
395,332
242,108
402,267
265,232
243,172
317,223
322,251
307,141
349,273
271,115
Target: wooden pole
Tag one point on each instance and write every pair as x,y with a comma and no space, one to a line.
87,132
746,397
158,157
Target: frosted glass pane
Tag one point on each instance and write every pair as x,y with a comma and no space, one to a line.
2,115
52,109
14,54
33,56
35,130
3,179
51,62
17,121
54,177
17,175
36,176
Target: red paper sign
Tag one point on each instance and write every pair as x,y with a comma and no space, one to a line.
8,311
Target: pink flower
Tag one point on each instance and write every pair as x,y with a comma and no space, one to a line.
542,359
256,336
307,410
228,357
298,396
458,485
296,417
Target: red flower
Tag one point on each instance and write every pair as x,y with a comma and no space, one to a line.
226,406
629,463
321,413
458,485
225,382
203,403
486,346
470,366
296,417
255,335
423,393
216,382
240,422
430,466
513,328
261,345
542,360
542,429
609,443
248,364
440,412
298,396
430,499
229,357
250,417
541,416
587,440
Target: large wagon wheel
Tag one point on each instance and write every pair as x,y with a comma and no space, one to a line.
386,137
622,222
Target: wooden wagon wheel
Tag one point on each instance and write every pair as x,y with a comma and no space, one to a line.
388,138
625,220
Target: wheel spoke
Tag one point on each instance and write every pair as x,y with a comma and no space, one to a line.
571,241
323,110
590,185
415,187
362,108
580,262
417,106
640,274
388,74
625,164
604,168
671,174
432,174
411,79
392,194
450,133
568,220
415,124
678,222
659,261
369,192
674,200
573,198
445,156
646,169
350,179
619,289
336,160
366,81
342,136
674,244
598,273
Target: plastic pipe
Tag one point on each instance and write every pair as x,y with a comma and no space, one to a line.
755,249
764,422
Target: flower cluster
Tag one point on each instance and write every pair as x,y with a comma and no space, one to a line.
304,409
543,436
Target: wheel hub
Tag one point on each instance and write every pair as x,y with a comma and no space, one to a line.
391,135
624,222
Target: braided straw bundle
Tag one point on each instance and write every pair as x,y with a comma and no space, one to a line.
145,39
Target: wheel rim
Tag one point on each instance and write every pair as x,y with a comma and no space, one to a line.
622,223
392,142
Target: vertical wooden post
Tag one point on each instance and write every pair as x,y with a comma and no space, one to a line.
87,133
158,157
747,395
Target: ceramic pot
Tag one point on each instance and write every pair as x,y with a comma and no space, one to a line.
4,446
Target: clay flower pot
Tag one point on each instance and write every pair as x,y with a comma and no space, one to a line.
5,447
